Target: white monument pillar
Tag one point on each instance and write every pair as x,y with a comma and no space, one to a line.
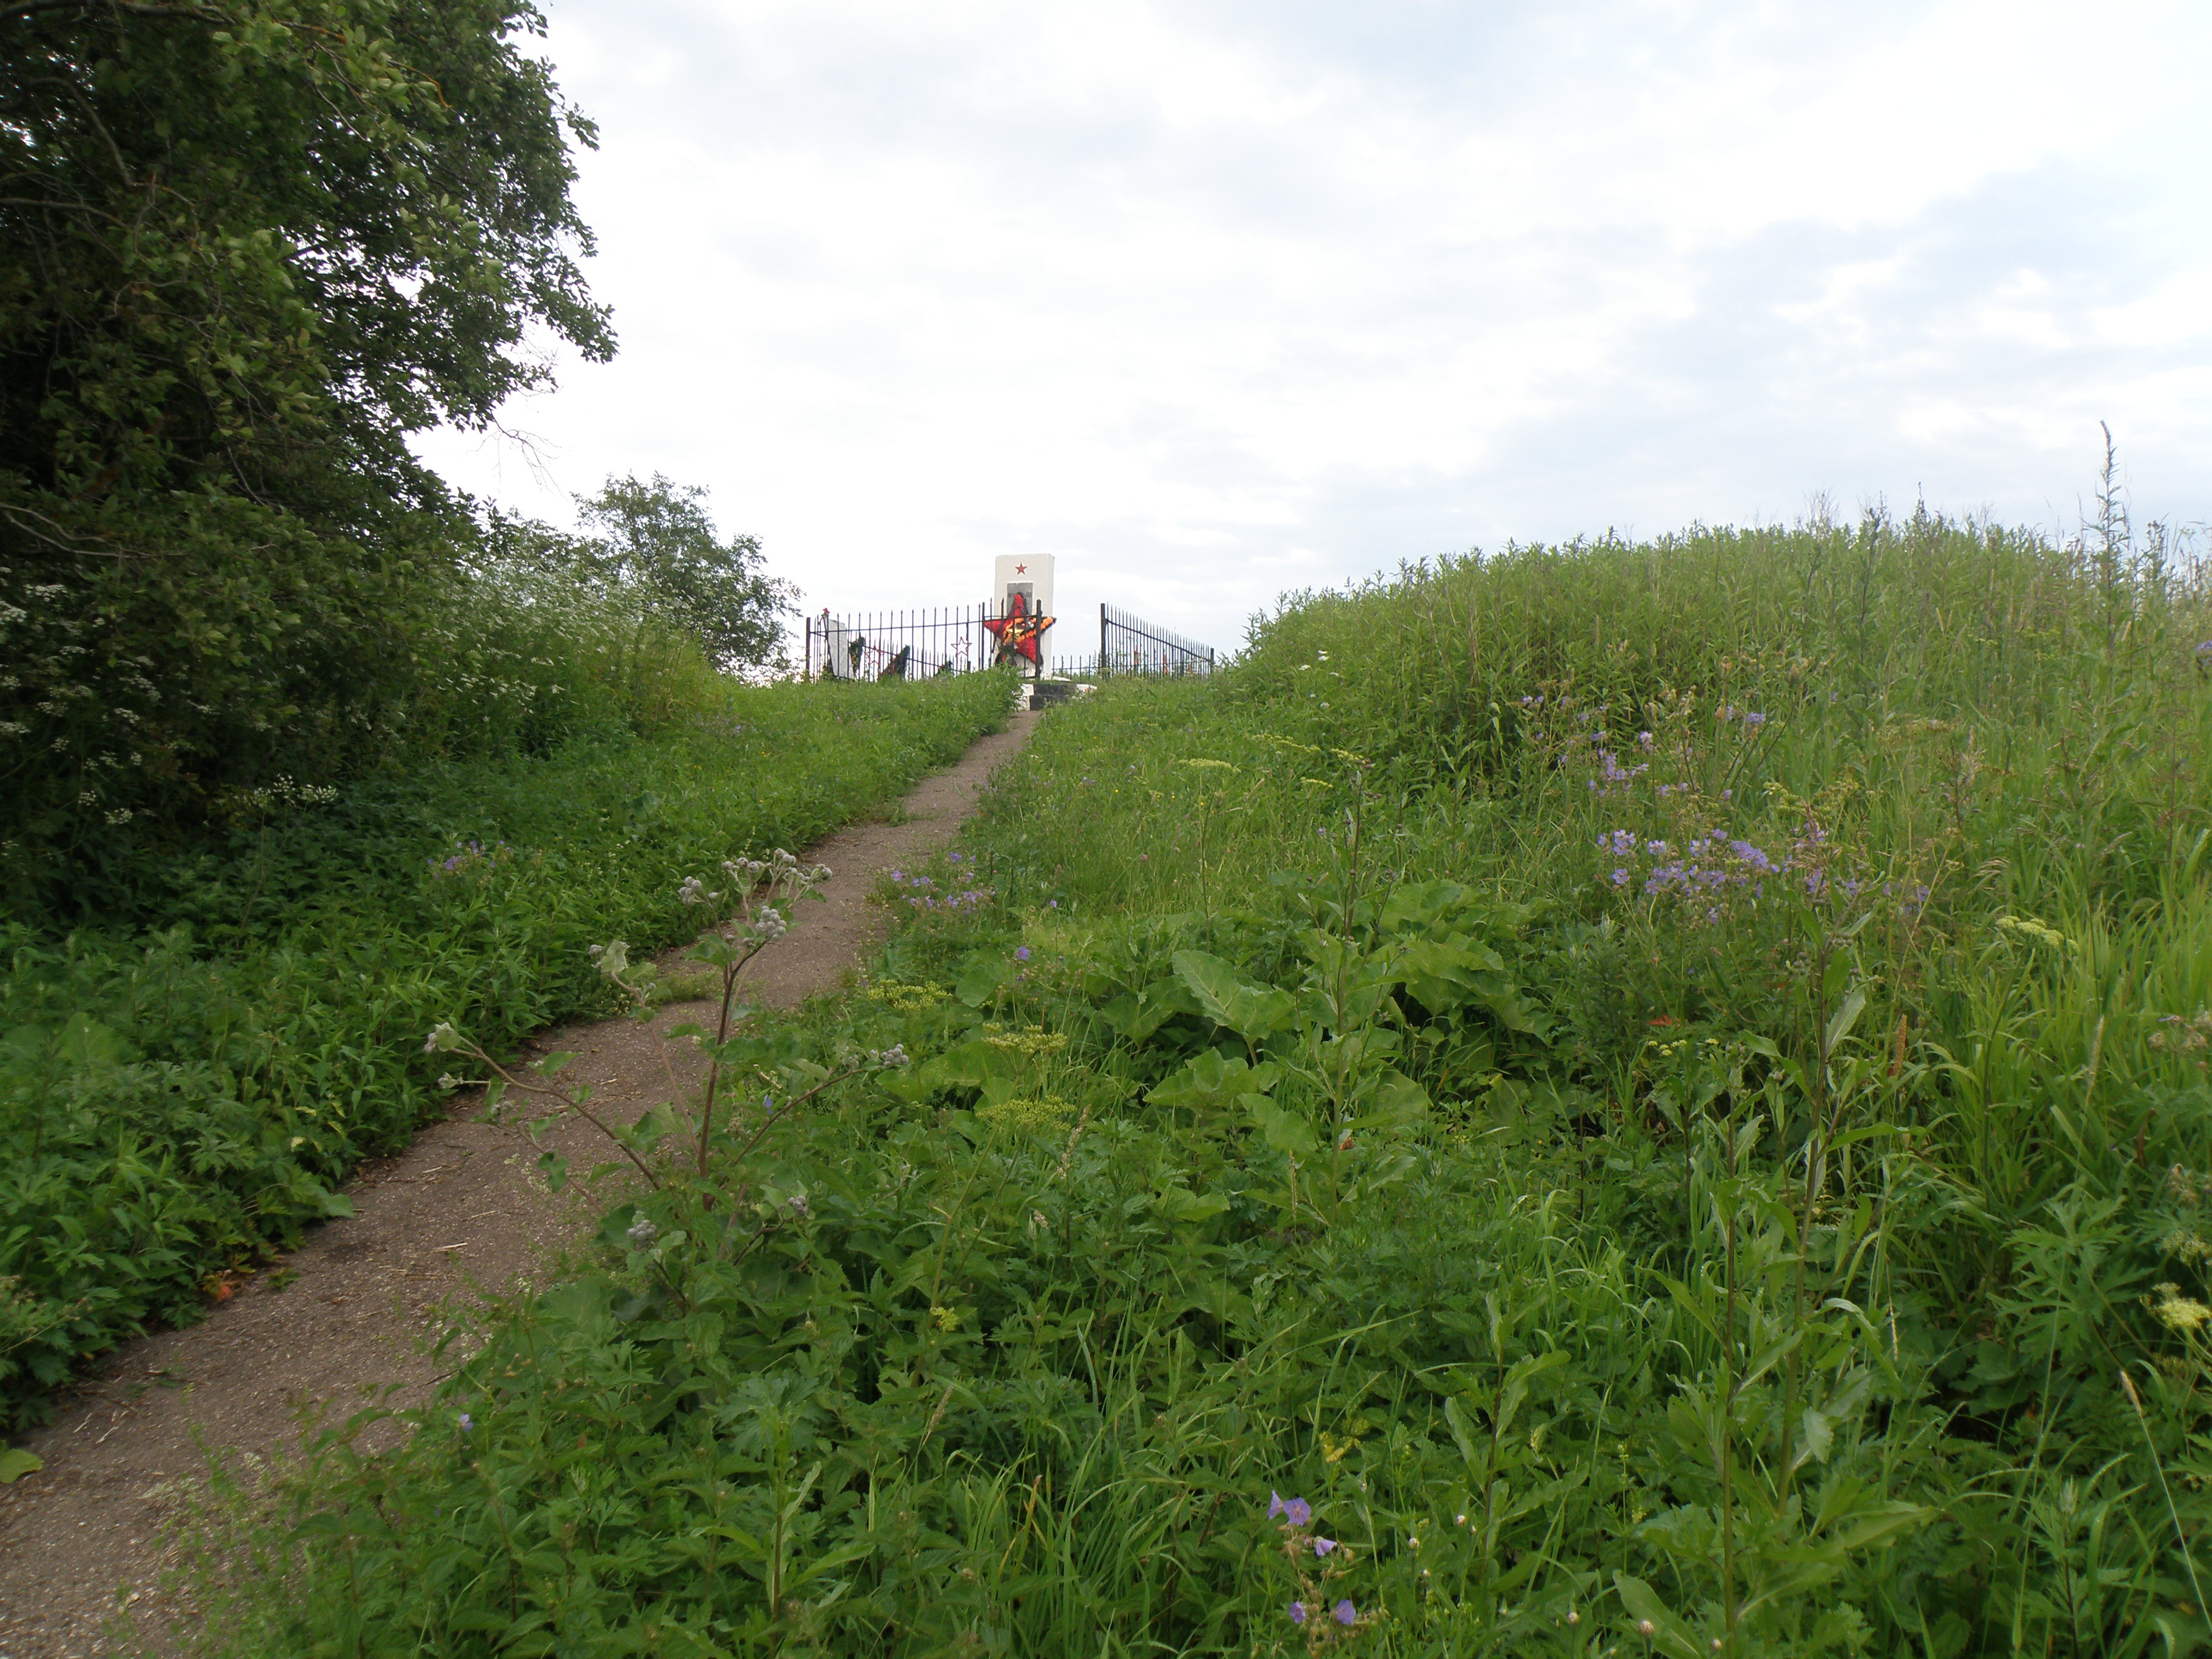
1027,574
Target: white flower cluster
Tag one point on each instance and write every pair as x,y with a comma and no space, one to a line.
777,867
894,1055
781,872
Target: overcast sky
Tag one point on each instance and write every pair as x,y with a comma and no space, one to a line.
1218,299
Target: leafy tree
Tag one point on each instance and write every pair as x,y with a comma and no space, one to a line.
655,544
246,248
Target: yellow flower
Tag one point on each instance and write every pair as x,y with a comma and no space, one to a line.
2178,1312
907,998
1030,1115
2185,1244
948,1319
1035,1041
2042,932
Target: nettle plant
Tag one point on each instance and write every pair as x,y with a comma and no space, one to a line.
751,911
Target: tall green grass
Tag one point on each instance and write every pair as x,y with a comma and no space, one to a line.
1662,1088
176,1100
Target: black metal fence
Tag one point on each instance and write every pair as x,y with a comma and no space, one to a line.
894,645
915,644
1128,644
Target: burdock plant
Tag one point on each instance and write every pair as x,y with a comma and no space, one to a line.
744,919
746,915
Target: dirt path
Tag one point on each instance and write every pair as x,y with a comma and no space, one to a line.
461,1211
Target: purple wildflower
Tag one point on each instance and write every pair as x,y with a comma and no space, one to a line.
1022,954
1297,1511
1751,855
1620,877
466,1422
1323,1545
1344,1613
1754,719
1297,1612
1274,1504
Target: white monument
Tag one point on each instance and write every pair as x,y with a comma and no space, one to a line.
1028,575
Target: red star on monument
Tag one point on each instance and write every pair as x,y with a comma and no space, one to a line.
1020,631
1021,570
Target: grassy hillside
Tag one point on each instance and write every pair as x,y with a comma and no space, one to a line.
178,1096
1642,1098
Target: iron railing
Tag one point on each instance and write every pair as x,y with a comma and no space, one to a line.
1128,644
892,645
912,645
916,645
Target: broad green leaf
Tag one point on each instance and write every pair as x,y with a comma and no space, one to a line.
1209,1081
1253,1011
985,977
1181,1205
1393,1102
1669,1634
1815,1434
970,1064
1283,1130
1882,1523
15,1463
1846,1017
1443,974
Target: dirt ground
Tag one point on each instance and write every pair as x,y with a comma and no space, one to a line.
461,1213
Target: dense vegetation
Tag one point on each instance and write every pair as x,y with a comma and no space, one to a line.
246,251
176,1102
299,750
1643,1097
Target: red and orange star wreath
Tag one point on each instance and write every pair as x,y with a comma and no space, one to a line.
1020,632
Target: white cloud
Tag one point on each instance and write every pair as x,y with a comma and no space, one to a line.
1215,300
